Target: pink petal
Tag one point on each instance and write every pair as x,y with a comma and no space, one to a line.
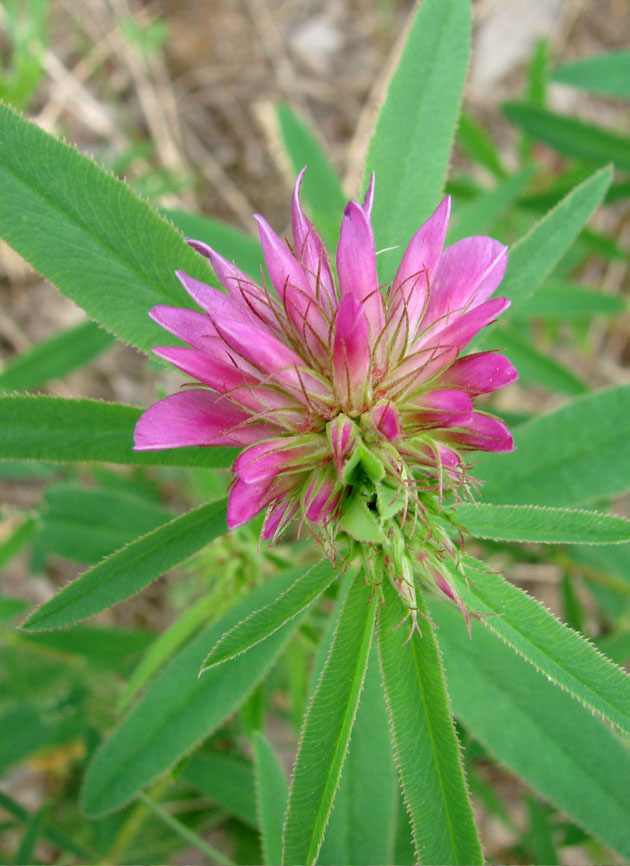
218,374
246,500
273,359
197,417
214,302
321,499
463,329
277,456
311,253
442,408
279,515
480,373
414,277
368,199
239,286
351,354
385,419
356,266
482,433
343,437
303,309
190,326
467,274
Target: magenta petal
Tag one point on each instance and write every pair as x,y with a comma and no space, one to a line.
368,198
480,373
213,301
239,286
463,329
246,500
209,370
386,421
190,326
414,277
467,274
356,266
197,417
351,354
321,498
272,458
303,309
311,253
481,433
278,516
441,408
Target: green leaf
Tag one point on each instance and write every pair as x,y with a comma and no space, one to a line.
475,141
363,820
533,366
180,708
11,607
561,654
480,215
85,525
131,568
562,301
570,136
15,540
321,187
411,145
262,623
34,828
360,523
536,254
601,73
89,233
54,358
573,456
535,729
271,798
547,525
226,779
109,648
236,245
426,746
69,431
327,728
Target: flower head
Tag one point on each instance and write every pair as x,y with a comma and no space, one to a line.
351,401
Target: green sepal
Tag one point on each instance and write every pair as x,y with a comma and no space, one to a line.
389,500
373,467
360,523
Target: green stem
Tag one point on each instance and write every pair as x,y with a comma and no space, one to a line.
212,853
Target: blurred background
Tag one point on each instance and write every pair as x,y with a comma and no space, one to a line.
178,97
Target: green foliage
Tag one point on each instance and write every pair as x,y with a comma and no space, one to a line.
533,366
414,132
554,649
89,234
602,73
542,524
63,430
572,456
131,568
531,726
560,301
427,751
571,137
327,728
271,798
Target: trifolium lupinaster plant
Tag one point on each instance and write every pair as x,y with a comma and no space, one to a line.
350,399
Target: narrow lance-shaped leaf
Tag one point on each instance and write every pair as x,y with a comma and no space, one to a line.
180,709
547,525
425,742
71,431
570,136
89,233
535,729
534,366
362,824
411,145
55,357
479,215
602,73
321,186
131,568
271,798
327,728
536,254
557,300
553,648
269,619
575,455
